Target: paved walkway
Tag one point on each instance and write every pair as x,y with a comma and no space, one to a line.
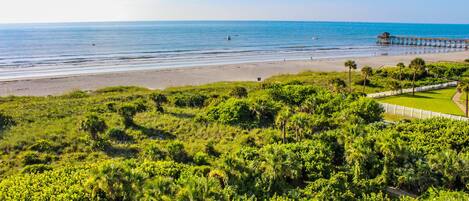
457,101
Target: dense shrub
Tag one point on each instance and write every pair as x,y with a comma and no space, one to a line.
243,112
200,158
127,112
159,99
239,92
210,149
5,121
32,158
337,85
114,181
36,169
233,112
99,144
118,134
93,125
364,110
189,100
140,105
154,152
292,94
176,151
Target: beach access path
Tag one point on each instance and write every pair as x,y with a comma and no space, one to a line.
163,78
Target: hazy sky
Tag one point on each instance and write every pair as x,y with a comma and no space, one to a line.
426,11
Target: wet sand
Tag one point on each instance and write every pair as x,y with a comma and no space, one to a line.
163,78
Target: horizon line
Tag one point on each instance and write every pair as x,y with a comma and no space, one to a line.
226,20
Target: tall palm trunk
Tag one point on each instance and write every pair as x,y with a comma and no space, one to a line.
413,83
350,79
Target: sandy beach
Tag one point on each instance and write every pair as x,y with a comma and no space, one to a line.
163,78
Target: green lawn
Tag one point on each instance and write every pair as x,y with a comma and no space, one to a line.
437,101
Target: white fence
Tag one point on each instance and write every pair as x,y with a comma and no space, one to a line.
417,113
417,89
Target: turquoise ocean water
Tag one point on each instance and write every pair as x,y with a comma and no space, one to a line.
36,50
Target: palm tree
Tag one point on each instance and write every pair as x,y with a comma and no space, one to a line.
395,85
351,65
282,120
417,64
463,87
114,182
366,71
299,122
401,66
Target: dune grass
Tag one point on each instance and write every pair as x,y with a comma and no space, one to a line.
437,101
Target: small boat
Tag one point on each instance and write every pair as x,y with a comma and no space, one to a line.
315,38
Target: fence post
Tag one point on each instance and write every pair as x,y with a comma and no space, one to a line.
412,112
421,111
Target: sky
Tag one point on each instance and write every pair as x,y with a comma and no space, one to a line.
406,11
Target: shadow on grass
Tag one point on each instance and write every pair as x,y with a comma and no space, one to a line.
431,92
125,152
182,115
416,96
154,133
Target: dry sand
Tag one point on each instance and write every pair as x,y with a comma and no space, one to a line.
162,78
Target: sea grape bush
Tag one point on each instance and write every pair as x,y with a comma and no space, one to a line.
5,121
239,92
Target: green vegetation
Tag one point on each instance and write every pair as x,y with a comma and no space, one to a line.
350,65
418,65
292,137
463,87
381,78
366,72
437,101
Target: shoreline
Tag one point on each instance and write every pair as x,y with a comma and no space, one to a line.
197,75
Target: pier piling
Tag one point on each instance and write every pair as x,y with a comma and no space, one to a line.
388,39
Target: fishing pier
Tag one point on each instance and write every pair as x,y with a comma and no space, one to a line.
388,39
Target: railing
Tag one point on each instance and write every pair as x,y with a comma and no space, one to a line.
417,89
417,113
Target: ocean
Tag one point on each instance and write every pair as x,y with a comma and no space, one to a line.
59,49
